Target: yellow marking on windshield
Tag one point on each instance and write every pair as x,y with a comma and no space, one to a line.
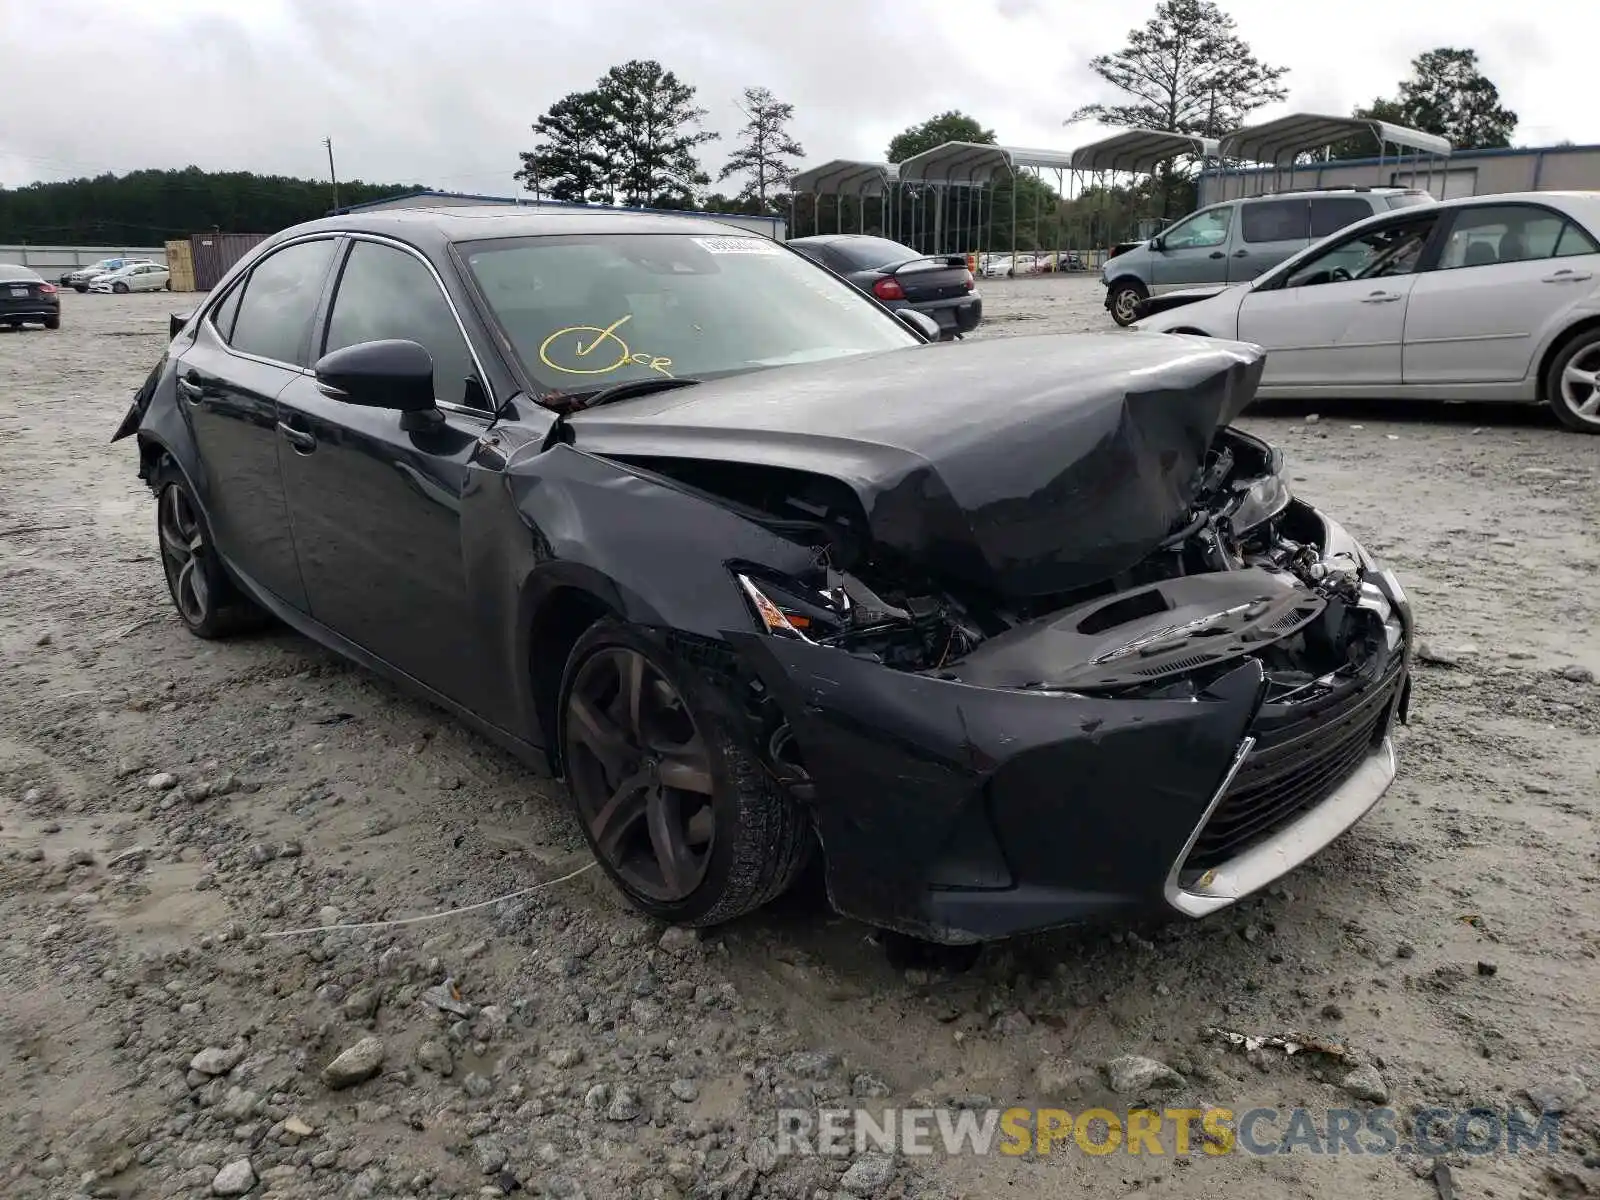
568,344
609,331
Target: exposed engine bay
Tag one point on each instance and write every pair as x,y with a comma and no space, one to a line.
1246,570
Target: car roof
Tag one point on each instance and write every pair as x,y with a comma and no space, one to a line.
469,223
17,271
822,238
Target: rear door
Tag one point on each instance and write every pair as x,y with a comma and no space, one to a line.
1507,275
249,346
1339,316
1194,251
376,507
1269,232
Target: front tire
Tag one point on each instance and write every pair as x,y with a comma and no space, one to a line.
120,288
673,799
205,598
1125,297
1572,383
80,288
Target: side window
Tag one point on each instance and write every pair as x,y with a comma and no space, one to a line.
280,299
1273,220
388,293
1506,233
1393,249
1574,240
1208,228
222,316
1329,214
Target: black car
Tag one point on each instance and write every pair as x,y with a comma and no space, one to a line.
26,299
938,285
1016,633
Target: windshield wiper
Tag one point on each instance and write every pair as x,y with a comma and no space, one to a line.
625,391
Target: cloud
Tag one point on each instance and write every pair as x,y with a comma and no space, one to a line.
445,94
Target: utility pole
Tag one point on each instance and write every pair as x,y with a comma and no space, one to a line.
328,142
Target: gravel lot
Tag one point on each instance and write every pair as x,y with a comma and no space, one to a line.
165,802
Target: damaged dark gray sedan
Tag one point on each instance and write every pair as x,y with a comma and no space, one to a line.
1013,633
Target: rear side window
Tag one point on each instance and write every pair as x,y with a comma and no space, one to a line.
1274,221
1496,234
222,316
1574,241
1329,214
387,293
280,298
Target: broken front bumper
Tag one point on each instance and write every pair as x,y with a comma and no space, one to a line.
960,813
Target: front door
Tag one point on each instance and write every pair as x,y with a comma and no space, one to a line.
376,506
1506,272
249,347
1194,252
1339,317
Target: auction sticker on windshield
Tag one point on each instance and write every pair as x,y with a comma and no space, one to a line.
736,245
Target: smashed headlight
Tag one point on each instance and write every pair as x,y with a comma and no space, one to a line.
909,630
1264,499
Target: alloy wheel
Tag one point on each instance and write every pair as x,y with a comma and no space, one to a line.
641,774
1580,384
183,554
1127,303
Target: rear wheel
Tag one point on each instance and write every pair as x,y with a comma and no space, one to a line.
1125,297
1572,383
205,598
52,322
673,800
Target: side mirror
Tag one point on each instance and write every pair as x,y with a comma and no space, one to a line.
920,323
391,374
1157,244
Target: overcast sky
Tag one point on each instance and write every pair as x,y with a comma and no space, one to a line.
444,93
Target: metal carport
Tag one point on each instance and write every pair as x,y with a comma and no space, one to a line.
840,178
973,166
1277,144
1135,152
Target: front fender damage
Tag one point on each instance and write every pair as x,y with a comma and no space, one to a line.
659,553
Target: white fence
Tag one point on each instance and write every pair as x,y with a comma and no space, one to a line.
50,261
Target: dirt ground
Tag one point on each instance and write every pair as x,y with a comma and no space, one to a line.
165,803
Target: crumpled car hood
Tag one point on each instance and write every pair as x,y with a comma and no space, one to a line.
1023,466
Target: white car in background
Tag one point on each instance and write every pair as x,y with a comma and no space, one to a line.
135,277
1481,298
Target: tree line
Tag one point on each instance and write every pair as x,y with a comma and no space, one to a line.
145,208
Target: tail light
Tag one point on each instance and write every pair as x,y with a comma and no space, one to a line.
888,288
966,281
47,289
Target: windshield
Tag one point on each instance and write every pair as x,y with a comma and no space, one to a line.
586,312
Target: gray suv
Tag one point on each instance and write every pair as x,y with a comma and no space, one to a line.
1236,240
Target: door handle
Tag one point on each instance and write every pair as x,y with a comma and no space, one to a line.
1241,254
191,387
1218,254
1381,298
303,442
1567,277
